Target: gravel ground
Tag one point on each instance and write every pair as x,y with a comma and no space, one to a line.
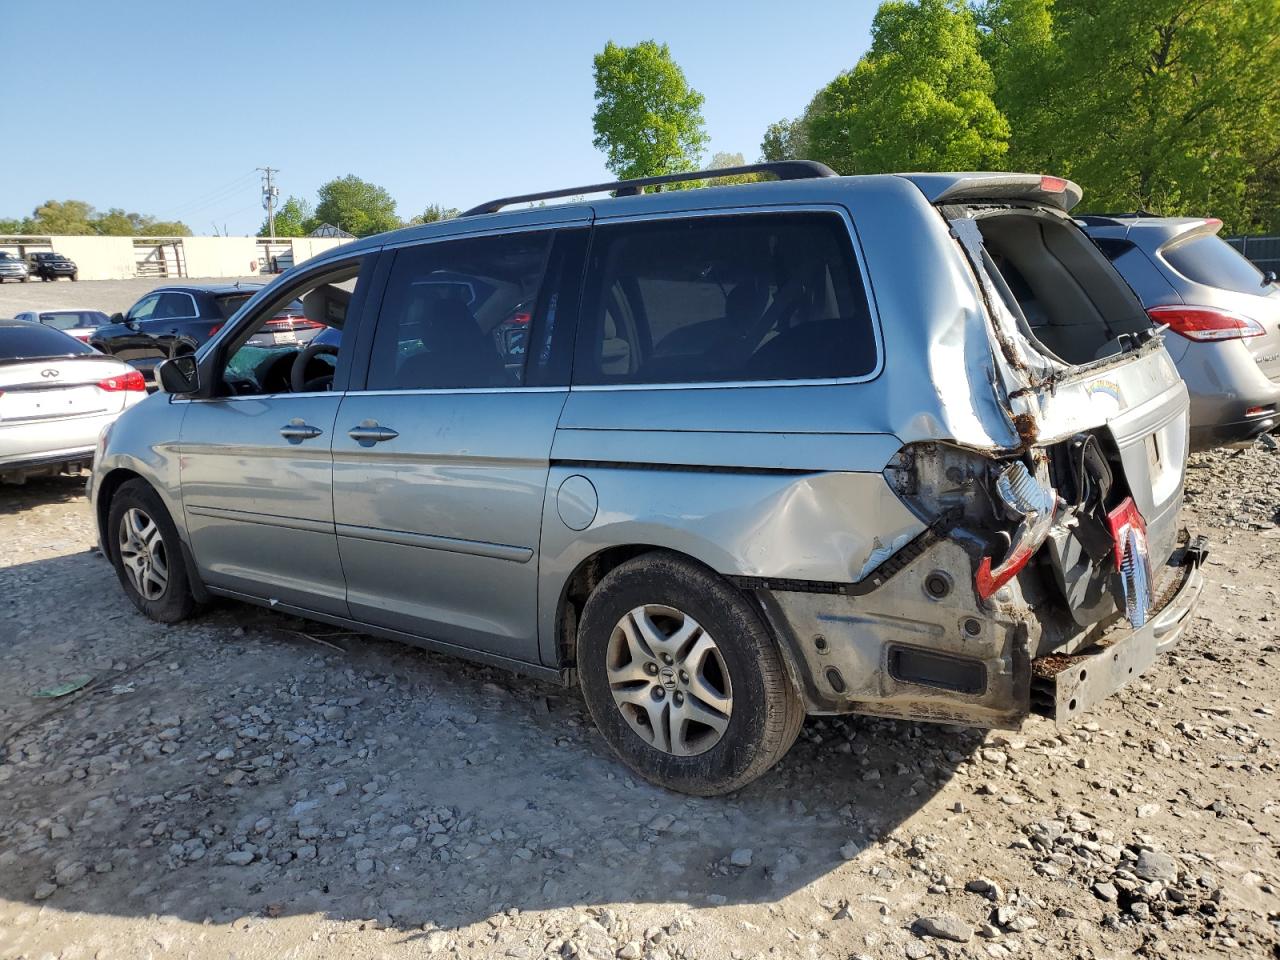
248,785
109,296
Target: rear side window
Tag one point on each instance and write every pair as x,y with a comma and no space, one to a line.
174,306
1210,260
755,297
36,341
1113,248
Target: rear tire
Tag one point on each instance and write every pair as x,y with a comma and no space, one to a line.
147,553
682,678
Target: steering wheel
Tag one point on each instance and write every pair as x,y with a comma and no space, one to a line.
298,374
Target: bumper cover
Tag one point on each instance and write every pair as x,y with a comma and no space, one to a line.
1063,687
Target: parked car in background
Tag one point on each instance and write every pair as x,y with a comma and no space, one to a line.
80,324
51,266
13,267
173,320
56,396
1224,311
718,483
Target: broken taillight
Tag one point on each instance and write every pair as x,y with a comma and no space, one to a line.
1129,533
1033,503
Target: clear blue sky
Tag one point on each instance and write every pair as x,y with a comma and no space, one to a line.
166,108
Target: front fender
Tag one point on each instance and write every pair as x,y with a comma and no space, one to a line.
144,440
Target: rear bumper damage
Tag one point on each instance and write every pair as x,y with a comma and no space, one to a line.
921,646
1065,686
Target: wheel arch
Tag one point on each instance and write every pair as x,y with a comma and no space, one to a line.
105,491
582,580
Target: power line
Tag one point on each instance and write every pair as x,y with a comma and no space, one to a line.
209,197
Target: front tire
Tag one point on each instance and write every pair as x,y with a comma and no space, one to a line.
682,678
147,553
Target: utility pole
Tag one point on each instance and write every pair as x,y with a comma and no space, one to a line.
270,193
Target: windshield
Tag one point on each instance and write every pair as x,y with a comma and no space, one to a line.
35,341
1210,260
71,319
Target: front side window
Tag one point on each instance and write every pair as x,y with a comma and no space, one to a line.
293,343
1210,260
458,314
144,308
755,297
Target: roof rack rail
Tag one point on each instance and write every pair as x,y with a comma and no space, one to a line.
782,169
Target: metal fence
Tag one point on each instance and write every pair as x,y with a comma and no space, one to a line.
1263,251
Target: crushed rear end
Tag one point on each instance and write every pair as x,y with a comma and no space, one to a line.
1052,569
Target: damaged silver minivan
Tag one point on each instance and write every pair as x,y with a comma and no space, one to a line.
896,445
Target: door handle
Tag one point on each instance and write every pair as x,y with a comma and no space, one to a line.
295,431
369,432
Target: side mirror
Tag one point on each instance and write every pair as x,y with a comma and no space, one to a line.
1268,278
179,376
117,318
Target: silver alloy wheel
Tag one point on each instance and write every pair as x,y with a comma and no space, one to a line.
143,553
669,679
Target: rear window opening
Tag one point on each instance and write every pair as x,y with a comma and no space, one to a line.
1059,286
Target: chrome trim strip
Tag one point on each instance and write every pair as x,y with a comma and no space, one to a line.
265,519
474,548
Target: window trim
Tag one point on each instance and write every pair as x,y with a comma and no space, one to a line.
855,243
553,227
211,355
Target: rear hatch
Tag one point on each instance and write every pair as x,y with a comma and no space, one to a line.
1099,408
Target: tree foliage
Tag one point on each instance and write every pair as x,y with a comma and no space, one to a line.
920,99
293,219
356,206
1167,105
434,213
783,140
76,218
648,120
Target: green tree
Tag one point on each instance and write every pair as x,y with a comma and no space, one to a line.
13,225
648,120
356,206
1166,105
720,161
435,213
150,227
293,219
920,99
67,218
783,140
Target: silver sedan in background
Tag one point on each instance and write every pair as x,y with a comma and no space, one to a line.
75,323
1224,310
56,396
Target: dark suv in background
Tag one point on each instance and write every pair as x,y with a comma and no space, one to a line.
173,320
51,266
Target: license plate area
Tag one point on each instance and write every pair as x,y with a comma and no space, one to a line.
21,405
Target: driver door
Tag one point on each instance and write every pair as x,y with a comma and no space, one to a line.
256,467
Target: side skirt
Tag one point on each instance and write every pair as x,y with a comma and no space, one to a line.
560,676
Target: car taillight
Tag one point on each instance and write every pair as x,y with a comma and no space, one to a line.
214,329
128,382
1204,324
1052,185
1033,503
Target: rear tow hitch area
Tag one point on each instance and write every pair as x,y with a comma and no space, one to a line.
1064,686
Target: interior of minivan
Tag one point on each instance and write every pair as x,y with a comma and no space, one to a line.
1059,284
